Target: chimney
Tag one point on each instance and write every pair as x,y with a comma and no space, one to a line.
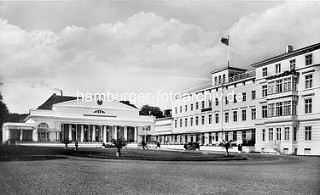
54,94
289,48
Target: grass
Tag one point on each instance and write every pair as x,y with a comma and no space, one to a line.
29,152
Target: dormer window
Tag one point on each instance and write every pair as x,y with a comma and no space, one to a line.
220,79
224,78
99,112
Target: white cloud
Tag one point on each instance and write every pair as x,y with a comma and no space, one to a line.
143,53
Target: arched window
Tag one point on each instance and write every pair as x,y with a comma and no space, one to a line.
215,80
224,78
43,132
99,111
43,127
220,79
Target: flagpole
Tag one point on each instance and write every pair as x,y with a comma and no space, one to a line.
228,51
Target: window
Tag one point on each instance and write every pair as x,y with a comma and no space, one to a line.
309,59
210,119
226,136
253,114
197,105
279,86
308,81
202,104
210,103
270,110
287,108
224,78
226,117
226,100
244,135
217,102
197,120
279,109
186,108
278,68
191,121
308,106
264,112
264,90
271,87
264,71
215,81
292,64
278,133
185,122
253,95
244,97
180,122
294,133
217,118
176,110
202,119
191,107
244,115
235,99
263,134
287,84
270,134
307,134
180,109
234,138
175,123
99,111
235,116
286,133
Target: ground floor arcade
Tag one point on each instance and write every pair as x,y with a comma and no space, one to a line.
246,136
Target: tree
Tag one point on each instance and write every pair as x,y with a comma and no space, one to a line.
226,145
151,111
3,114
119,143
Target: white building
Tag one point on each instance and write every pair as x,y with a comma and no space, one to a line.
65,117
276,106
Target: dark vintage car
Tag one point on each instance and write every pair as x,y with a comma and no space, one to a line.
191,146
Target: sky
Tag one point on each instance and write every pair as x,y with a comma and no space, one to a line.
138,46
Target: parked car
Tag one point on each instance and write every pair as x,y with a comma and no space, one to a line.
191,146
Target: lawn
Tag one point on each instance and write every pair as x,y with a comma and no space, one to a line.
8,153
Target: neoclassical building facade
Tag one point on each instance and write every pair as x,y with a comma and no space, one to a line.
274,106
66,117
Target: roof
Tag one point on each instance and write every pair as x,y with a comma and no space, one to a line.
228,67
287,55
54,99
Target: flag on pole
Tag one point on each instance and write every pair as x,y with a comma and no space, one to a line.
225,41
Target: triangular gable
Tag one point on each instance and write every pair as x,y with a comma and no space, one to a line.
96,105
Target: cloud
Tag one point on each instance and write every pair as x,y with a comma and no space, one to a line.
142,53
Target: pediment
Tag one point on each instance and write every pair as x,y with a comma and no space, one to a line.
78,103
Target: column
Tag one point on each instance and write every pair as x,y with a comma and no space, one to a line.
115,132
93,133
76,131
70,132
82,133
178,139
135,134
125,132
104,134
20,134
206,139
